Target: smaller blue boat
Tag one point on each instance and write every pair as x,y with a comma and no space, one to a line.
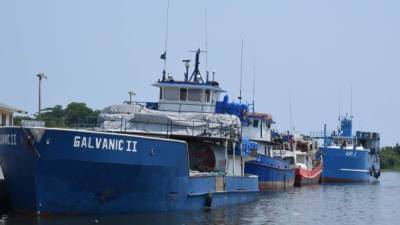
273,172
348,158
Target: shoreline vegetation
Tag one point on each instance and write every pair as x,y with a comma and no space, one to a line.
79,114
390,158
75,115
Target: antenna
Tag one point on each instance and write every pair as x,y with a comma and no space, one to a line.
290,110
164,55
241,73
254,79
339,104
205,24
351,100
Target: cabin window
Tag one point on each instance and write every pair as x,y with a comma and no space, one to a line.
195,95
207,96
171,94
255,123
161,95
3,119
183,94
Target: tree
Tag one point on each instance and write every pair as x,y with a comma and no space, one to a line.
78,114
53,117
17,119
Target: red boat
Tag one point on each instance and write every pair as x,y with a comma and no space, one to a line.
305,176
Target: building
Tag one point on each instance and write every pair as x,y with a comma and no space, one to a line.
7,114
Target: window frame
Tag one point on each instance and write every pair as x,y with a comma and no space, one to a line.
185,91
171,93
256,123
199,92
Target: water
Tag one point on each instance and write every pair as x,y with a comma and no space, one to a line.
328,204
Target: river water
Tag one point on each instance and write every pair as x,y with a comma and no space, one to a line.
377,204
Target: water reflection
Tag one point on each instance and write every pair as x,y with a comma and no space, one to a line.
327,204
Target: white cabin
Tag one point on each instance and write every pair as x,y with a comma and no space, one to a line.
188,96
258,129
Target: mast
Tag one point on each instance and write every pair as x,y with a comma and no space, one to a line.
254,80
196,75
351,100
241,73
164,55
205,24
290,111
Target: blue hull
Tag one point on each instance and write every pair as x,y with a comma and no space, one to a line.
75,172
272,173
349,165
4,201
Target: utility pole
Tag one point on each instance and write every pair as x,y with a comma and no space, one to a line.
40,76
131,93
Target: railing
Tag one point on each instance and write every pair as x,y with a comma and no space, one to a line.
57,124
194,128
204,108
320,134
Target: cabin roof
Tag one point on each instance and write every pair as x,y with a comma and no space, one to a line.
261,116
10,108
181,84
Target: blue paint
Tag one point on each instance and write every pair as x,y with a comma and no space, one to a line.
272,172
348,165
232,108
348,158
67,179
346,126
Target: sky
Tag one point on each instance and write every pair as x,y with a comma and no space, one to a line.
304,54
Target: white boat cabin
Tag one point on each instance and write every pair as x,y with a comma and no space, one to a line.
258,129
193,94
305,149
188,96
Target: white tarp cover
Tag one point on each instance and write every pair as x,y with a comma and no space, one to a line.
140,119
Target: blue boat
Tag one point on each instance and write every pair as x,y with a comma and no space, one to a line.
137,160
348,158
273,172
4,200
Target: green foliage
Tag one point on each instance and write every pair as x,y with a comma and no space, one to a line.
54,117
390,158
74,115
78,114
17,119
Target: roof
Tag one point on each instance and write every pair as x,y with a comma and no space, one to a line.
11,109
179,84
261,116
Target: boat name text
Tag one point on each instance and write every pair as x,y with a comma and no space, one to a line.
8,139
105,143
